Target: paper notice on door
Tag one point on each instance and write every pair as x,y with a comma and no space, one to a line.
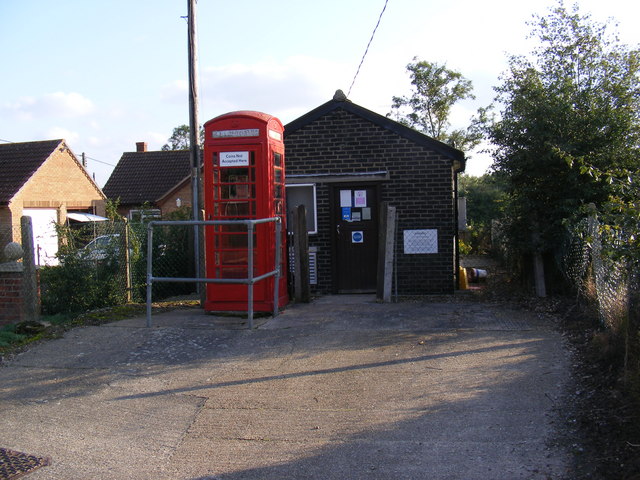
345,198
360,198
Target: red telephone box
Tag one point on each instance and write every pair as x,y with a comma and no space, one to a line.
243,179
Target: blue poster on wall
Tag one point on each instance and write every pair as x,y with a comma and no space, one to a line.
346,214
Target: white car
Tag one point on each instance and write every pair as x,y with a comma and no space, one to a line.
102,247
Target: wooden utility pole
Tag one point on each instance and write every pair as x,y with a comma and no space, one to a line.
194,141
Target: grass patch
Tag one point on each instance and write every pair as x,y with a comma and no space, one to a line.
13,337
8,336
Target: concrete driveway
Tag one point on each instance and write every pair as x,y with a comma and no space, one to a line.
343,388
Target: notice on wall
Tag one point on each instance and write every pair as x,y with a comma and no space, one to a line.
357,237
420,241
345,198
234,159
346,214
360,198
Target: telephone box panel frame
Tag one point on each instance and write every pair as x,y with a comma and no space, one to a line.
244,178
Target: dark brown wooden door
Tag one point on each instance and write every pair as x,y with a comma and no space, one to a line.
355,214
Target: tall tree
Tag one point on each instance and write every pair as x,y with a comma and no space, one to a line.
569,109
179,139
435,90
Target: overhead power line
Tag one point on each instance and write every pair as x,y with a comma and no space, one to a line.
367,49
99,161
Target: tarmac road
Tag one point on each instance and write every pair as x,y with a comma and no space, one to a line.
343,388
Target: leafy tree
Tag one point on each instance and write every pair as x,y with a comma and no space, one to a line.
484,196
569,110
435,90
179,139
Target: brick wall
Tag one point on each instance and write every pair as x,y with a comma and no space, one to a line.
420,186
11,299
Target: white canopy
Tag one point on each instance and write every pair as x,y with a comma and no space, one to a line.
85,217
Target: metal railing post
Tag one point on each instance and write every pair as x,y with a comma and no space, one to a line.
149,275
276,286
249,281
250,274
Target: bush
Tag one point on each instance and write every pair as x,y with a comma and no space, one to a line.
77,285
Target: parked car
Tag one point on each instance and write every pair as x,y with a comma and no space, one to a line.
101,248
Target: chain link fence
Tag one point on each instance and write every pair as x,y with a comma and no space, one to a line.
607,278
600,275
100,264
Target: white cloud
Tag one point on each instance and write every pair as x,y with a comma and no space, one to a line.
59,132
57,104
286,88
175,91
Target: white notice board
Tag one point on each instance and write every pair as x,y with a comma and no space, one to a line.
421,241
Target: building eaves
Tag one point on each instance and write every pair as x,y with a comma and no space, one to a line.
457,156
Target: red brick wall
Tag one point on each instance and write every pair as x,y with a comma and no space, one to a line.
11,300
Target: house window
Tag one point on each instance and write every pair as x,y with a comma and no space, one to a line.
142,215
303,194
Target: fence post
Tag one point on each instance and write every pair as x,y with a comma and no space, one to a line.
386,248
276,284
301,256
250,274
127,262
30,279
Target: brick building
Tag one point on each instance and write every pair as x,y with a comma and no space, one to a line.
342,162
43,180
159,180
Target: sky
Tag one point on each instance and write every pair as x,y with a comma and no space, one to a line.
105,75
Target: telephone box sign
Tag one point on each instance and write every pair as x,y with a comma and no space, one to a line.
275,135
234,159
245,132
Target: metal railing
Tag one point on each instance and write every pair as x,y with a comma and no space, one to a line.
249,281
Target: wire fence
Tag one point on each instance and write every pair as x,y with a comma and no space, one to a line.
100,264
606,277
598,273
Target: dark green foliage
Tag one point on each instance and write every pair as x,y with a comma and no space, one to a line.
575,103
8,335
87,278
172,256
484,196
78,285
180,140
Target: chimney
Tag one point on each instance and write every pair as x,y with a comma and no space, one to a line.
141,146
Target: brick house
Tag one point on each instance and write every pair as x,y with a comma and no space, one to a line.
43,180
342,161
159,179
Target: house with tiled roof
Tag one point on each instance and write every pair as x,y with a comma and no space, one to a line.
158,181
43,180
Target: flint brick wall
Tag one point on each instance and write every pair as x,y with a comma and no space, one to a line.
420,186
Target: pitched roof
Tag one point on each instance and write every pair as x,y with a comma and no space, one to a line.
19,161
143,177
340,102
